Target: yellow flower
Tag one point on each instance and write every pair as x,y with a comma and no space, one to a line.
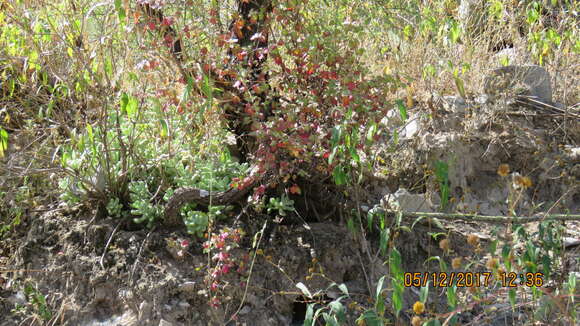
503,170
419,307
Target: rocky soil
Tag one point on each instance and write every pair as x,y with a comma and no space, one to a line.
94,272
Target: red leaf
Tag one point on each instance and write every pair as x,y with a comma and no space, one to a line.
351,86
278,60
248,109
346,100
260,190
295,189
241,55
167,21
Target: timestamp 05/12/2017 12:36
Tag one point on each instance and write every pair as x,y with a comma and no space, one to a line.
473,279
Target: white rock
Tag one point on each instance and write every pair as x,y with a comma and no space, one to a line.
245,310
188,287
407,202
411,128
163,322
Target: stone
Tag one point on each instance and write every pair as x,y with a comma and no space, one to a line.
455,104
187,287
392,119
145,310
163,322
528,80
407,202
411,128
245,310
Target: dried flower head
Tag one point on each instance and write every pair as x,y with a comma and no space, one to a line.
521,182
416,321
492,263
526,182
456,262
473,239
445,245
503,170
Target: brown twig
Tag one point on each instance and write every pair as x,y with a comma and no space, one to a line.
490,218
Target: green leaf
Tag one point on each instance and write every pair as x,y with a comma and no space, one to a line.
90,133
132,106
339,175
417,221
451,296
3,142
336,135
129,104
370,318
379,302
395,264
442,174
454,31
443,265
333,154
66,156
350,225
423,295
330,320
164,128
354,154
338,309
460,86
123,102
402,110
120,10
342,287
371,133
571,283
493,247
206,87
384,240
308,319
108,67
370,217
512,297
187,92
397,302
432,322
